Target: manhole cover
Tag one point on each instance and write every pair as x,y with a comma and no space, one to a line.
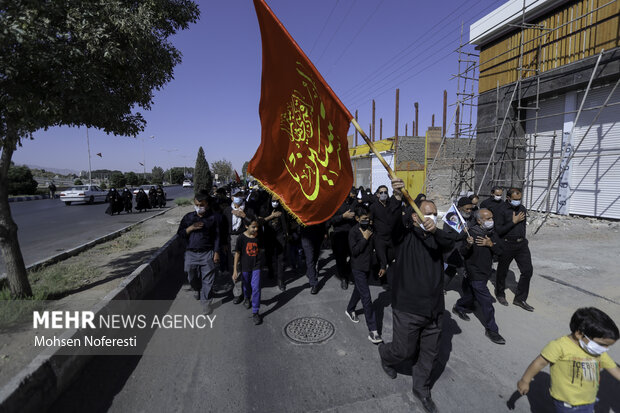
307,330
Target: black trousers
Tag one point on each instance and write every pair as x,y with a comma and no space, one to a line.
520,252
477,290
311,243
340,247
385,256
275,258
410,333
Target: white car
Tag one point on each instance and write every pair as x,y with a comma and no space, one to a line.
83,193
146,188
187,184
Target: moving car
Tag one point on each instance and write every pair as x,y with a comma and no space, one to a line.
145,187
83,193
187,184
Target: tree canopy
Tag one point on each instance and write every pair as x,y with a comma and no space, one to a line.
203,181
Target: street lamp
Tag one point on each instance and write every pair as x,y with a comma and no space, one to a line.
144,157
90,181
169,151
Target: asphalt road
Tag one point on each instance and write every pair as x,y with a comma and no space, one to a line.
47,227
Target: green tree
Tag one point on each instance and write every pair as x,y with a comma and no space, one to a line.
21,181
176,175
202,175
78,182
78,63
118,180
244,170
157,175
132,179
224,170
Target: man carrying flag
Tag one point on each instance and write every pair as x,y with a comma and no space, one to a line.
456,223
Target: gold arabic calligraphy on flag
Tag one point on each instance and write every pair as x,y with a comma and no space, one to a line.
309,162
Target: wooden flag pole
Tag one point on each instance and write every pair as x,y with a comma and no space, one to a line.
387,168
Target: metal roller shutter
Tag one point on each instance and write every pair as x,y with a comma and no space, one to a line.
542,146
595,170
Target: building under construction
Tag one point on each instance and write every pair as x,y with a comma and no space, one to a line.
548,114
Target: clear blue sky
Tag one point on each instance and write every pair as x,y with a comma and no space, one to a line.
365,49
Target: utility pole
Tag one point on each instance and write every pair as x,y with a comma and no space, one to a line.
396,117
90,181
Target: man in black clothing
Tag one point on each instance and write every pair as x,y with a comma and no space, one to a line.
342,221
478,252
201,230
236,217
417,298
311,238
275,235
511,228
385,213
494,202
454,260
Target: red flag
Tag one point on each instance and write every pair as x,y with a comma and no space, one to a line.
237,176
303,156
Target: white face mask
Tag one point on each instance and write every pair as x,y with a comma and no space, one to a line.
275,204
515,202
237,200
592,347
200,210
488,224
383,197
433,217
497,197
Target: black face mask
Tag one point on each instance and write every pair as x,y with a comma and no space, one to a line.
364,225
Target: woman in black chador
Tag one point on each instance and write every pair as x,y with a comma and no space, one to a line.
127,200
142,201
115,201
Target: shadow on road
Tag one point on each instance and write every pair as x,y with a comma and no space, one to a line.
105,376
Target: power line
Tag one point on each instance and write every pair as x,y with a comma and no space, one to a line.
356,34
324,25
360,97
337,30
400,53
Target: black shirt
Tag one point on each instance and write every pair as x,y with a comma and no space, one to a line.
418,270
205,239
361,249
494,206
251,252
385,217
504,226
340,223
479,260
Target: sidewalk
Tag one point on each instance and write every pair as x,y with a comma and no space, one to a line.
239,367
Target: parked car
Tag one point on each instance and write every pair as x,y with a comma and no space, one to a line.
83,193
188,184
145,187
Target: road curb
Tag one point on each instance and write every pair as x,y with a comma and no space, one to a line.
36,387
83,247
30,198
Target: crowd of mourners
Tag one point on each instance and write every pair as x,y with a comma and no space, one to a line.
236,236
122,201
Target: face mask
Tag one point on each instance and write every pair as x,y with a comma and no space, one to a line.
364,224
497,197
488,224
200,210
466,214
274,204
515,202
592,347
383,197
238,200
433,217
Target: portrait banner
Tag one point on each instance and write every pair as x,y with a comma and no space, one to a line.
303,157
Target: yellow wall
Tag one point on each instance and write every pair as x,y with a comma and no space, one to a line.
414,181
575,34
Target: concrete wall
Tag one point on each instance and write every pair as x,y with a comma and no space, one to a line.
495,104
